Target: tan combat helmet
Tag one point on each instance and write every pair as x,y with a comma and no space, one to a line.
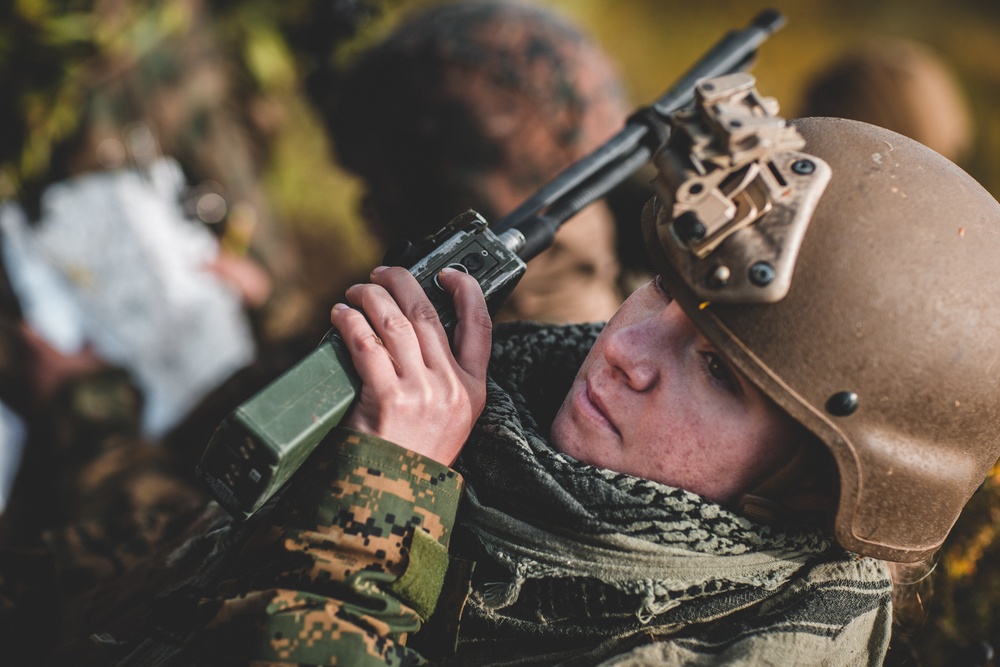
848,272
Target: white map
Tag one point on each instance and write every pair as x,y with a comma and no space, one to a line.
114,262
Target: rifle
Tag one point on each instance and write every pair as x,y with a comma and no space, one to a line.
258,447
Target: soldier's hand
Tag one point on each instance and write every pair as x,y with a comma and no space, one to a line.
416,392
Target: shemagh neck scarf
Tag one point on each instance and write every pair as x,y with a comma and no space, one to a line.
579,564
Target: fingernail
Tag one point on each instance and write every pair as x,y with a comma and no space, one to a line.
340,306
448,269
379,269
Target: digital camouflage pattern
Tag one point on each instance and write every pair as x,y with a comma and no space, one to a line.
352,563
342,569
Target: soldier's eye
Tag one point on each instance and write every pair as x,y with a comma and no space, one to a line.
718,372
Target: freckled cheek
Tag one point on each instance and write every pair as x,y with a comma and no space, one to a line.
667,444
717,465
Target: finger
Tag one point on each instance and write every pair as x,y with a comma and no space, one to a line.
371,360
419,310
389,323
474,331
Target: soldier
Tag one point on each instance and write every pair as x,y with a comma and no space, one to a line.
898,84
720,474
476,105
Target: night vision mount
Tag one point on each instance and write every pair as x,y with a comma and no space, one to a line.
734,194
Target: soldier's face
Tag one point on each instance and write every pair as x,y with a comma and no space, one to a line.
654,399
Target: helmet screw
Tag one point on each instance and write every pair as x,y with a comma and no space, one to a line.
803,167
761,274
689,228
719,277
842,404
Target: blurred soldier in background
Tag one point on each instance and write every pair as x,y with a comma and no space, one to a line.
900,85
476,105
140,261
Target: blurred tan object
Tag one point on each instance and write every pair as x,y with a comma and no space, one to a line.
476,105
900,85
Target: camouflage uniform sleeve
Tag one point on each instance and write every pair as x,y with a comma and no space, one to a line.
352,562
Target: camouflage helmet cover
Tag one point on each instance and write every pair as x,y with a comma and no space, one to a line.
469,105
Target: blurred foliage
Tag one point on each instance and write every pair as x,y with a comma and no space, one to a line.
962,609
58,56
219,83
53,57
